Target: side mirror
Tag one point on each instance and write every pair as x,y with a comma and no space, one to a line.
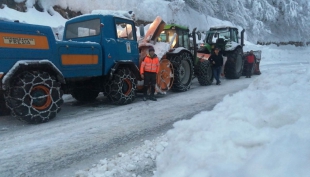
141,29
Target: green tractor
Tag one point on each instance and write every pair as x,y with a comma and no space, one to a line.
226,38
191,66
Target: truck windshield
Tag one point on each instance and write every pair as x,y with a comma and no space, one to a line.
83,29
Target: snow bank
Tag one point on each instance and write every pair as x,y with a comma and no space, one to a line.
136,160
260,131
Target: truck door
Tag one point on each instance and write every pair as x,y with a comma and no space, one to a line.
127,44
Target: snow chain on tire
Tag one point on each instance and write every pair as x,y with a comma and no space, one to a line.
205,73
234,64
183,71
34,97
122,88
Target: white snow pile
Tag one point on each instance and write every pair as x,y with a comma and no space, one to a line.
120,13
32,16
260,131
265,134
137,159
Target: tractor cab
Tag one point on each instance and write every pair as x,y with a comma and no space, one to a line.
180,40
226,38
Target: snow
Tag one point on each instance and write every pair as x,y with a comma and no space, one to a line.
259,131
121,14
32,16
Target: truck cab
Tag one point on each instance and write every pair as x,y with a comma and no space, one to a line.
98,53
116,38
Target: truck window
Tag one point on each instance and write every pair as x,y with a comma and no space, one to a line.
83,29
124,30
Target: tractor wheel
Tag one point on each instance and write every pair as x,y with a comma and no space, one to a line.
34,97
183,71
84,94
234,64
3,109
205,73
122,88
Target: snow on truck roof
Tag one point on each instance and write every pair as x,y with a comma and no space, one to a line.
121,14
117,13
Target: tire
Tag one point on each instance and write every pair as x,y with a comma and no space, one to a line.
34,97
121,89
183,71
234,64
205,73
3,109
84,94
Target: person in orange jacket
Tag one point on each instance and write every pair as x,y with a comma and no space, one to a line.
148,70
250,60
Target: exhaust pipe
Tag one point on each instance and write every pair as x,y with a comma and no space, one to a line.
242,37
194,44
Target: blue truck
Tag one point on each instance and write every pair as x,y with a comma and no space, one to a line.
98,53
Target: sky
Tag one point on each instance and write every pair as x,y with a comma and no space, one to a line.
262,130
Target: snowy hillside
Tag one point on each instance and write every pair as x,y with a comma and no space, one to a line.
264,20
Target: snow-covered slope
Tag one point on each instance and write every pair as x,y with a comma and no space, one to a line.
264,20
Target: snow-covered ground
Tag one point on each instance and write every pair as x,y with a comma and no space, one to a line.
259,131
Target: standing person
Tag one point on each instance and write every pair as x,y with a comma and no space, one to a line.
217,62
148,70
250,59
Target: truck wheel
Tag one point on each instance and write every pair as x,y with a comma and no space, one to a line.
84,94
34,97
205,73
234,64
183,71
122,88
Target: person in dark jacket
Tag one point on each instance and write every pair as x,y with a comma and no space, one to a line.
217,62
148,70
250,59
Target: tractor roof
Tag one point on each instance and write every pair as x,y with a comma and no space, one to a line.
175,26
222,27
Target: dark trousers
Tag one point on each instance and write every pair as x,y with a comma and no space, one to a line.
216,73
149,80
249,69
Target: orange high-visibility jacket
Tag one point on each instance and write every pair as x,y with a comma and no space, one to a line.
150,64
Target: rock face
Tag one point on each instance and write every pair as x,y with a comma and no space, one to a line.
13,5
66,13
